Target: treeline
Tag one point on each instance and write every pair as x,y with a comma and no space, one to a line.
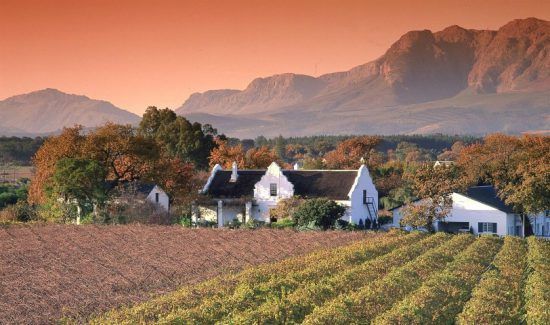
79,173
18,151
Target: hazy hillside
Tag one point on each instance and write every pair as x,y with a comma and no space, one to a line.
49,110
453,81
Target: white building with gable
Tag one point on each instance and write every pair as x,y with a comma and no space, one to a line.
481,211
245,194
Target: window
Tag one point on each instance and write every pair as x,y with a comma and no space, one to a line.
156,197
487,227
273,189
364,196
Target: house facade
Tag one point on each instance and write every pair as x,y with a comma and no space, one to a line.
481,211
251,194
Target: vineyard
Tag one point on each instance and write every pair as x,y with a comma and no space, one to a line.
393,278
60,271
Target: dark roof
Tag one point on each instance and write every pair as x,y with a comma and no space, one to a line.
332,184
488,195
244,186
485,194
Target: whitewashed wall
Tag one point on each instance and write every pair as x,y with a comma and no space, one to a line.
363,181
468,210
164,200
264,201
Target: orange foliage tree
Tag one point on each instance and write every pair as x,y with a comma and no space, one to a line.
517,166
66,145
350,153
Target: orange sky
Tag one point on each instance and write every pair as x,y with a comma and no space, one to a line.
139,53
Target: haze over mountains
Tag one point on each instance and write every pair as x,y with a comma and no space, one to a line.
49,110
453,81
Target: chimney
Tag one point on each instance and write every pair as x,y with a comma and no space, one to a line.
234,174
296,166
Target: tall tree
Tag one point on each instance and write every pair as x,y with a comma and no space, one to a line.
517,166
68,144
126,155
190,142
79,182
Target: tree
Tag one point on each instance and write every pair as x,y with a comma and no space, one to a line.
286,208
319,212
262,157
125,154
68,144
179,138
179,180
224,155
433,186
517,166
423,214
80,181
351,153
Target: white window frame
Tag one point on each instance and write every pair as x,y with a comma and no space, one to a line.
487,227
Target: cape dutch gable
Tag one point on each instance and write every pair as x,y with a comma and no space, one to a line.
245,194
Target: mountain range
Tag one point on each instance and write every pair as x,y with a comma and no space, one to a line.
454,81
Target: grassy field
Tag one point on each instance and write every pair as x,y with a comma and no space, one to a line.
54,271
390,279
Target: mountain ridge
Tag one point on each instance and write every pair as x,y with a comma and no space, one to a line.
48,110
421,67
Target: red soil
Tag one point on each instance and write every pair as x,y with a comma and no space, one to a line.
48,272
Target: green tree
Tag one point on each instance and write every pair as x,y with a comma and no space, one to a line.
319,212
79,182
190,142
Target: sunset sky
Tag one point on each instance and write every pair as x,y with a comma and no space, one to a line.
140,53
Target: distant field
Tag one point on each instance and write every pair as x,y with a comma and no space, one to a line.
54,271
11,174
392,279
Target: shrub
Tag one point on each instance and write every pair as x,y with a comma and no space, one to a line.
19,212
285,223
286,208
321,212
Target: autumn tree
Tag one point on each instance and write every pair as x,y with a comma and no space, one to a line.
517,166
433,186
262,157
68,144
350,154
224,155
286,208
126,154
178,178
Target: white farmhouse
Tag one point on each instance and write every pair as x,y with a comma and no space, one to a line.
481,211
245,194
